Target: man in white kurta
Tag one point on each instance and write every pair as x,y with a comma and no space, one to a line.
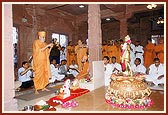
139,52
137,67
54,72
116,66
107,70
156,73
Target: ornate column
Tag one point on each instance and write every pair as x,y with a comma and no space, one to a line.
94,34
8,92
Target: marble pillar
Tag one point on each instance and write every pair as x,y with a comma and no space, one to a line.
94,34
8,92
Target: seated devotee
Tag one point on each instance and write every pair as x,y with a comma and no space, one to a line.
84,73
107,70
63,67
25,75
137,67
63,70
73,68
155,73
116,66
55,76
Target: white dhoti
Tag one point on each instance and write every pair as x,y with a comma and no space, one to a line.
154,73
154,79
55,75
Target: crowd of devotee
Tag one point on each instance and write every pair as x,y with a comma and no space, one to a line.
148,60
52,62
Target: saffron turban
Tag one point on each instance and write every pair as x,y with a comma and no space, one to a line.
42,33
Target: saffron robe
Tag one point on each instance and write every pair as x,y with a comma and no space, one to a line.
104,51
112,51
70,54
84,73
159,49
80,52
41,65
149,54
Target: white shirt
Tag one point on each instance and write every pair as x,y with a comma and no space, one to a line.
140,68
117,66
26,76
63,69
156,71
139,55
139,48
132,47
54,70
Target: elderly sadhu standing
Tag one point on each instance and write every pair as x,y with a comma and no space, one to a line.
41,63
80,51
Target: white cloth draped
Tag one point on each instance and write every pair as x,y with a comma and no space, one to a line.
55,75
154,73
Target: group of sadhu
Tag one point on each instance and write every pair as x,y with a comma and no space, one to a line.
146,54
41,52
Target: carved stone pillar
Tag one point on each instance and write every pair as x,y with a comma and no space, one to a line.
94,34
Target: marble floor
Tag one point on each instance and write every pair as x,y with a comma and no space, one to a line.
94,101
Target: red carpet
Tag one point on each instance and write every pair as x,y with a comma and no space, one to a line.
74,94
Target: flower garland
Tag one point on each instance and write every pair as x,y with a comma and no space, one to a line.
130,103
69,104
